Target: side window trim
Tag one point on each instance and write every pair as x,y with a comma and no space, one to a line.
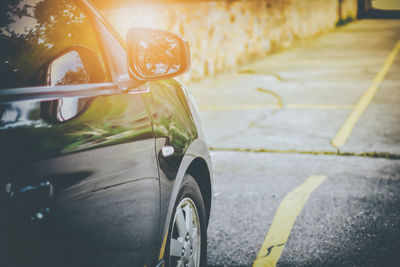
114,50
53,92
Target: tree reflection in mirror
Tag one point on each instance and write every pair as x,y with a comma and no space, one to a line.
158,54
67,69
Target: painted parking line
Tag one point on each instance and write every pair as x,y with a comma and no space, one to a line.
274,106
345,131
284,220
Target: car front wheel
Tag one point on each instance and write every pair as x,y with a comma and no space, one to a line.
188,233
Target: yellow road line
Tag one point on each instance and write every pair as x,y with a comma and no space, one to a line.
345,131
273,106
236,107
317,106
284,220
162,250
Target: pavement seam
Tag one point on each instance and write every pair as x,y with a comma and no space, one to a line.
278,97
384,155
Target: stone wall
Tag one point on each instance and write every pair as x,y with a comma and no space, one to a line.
225,34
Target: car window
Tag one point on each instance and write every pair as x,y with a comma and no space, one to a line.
47,42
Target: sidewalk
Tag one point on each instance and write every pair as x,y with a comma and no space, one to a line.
298,99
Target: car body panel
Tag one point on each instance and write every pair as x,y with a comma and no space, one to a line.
103,170
175,124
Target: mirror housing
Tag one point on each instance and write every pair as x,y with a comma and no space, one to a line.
155,55
73,65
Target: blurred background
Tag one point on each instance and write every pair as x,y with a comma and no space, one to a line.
241,30
386,4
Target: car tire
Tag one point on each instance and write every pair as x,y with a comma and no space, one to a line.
187,238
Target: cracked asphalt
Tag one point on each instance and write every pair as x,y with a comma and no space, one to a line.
284,110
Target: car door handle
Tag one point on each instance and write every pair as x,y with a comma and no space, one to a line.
167,151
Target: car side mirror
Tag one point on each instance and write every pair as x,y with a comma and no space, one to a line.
74,65
155,54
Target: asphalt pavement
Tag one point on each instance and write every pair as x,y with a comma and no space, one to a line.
306,153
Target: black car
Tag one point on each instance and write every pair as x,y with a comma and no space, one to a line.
103,160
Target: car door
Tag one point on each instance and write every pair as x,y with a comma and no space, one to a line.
174,129
78,165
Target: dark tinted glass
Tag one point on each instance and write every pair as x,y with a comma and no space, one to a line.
34,31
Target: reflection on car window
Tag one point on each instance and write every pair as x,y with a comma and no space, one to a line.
32,32
68,69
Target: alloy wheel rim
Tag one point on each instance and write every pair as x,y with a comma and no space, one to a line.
185,242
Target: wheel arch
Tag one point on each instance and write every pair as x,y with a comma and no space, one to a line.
197,163
199,170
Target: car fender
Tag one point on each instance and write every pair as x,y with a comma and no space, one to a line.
197,150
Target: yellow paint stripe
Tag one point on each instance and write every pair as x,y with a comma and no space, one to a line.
162,250
345,131
273,106
236,107
316,106
284,220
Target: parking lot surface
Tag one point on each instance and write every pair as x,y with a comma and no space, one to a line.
306,153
